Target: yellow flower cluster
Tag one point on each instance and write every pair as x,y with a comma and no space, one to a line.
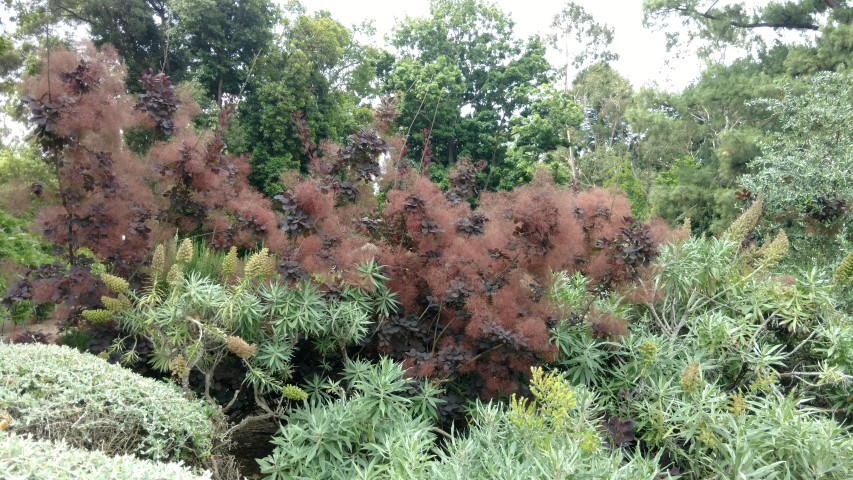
553,395
98,316
746,222
550,411
158,261
260,266
292,392
844,272
229,263
770,254
119,304
114,283
691,378
239,347
185,251
178,366
590,441
523,415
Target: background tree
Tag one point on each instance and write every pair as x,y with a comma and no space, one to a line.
318,69
541,135
696,144
135,28
580,39
743,24
805,167
476,74
220,39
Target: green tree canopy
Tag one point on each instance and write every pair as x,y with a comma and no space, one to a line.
463,75
805,168
745,24
318,68
220,39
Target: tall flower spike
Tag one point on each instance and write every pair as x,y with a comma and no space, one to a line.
175,276
158,261
114,283
772,253
119,304
844,272
185,251
746,222
690,377
178,366
239,347
292,392
260,265
687,228
229,263
97,316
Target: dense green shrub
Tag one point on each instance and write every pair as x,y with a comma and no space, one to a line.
364,427
26,457
234,332
804,168
56,392
18,249
19,245
727,371
554,435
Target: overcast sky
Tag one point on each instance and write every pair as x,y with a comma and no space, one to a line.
642,52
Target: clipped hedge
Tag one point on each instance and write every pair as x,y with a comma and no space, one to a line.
26,457
58,393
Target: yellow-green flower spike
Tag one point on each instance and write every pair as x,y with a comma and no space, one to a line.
648,352
114,305
114,283
292,392
691,378
844,272
738,404
176,275
185,251
746,222
687,228
260,265
229,263
772,253
158,261
98,316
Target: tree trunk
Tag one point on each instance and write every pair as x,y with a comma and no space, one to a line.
219,92
451,151
572,163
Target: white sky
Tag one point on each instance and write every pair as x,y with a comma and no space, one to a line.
642,52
